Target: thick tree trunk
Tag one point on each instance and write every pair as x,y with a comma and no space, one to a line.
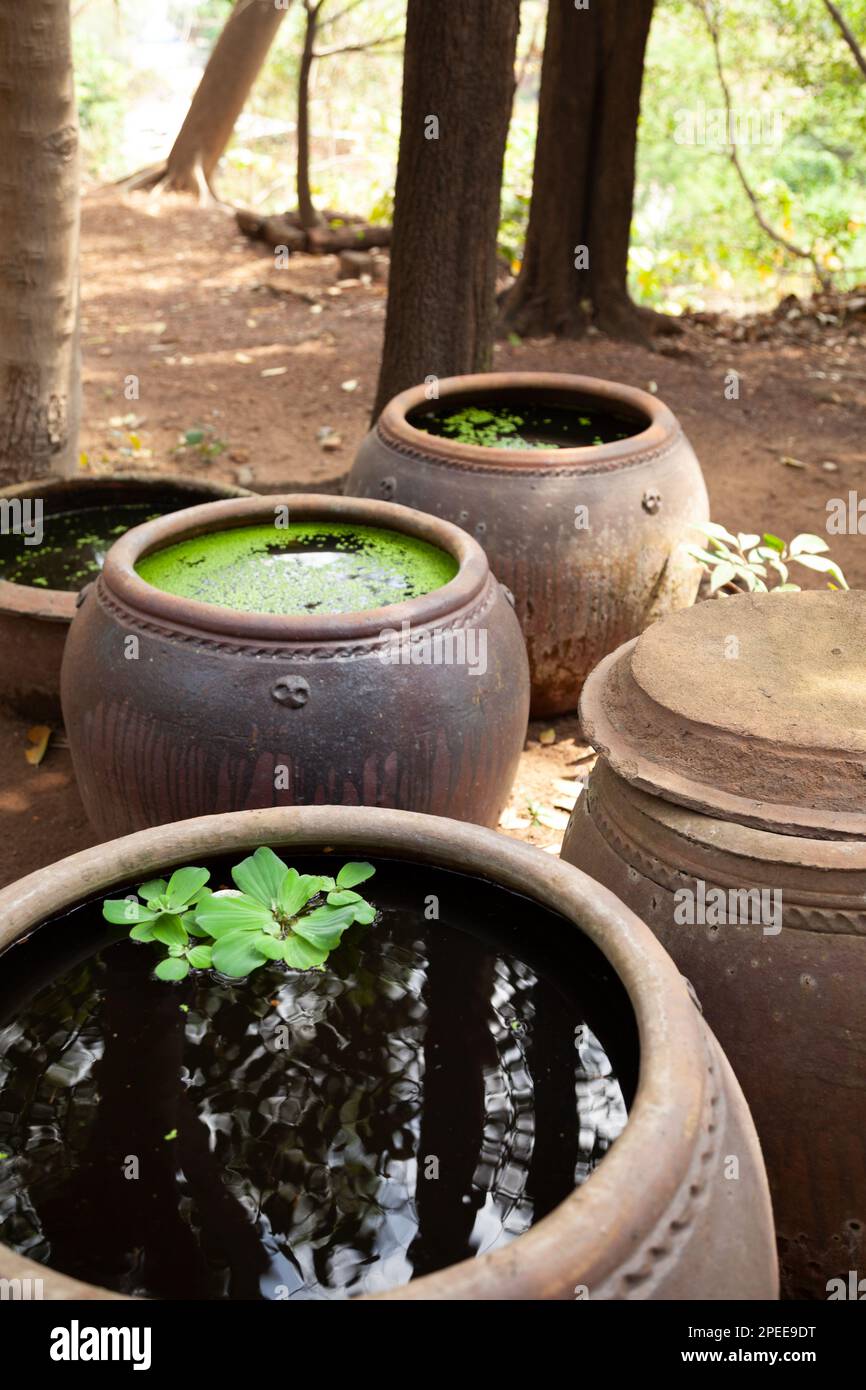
220,97
307,213
458,85
575,260
39,209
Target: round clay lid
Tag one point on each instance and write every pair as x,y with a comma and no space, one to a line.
750,708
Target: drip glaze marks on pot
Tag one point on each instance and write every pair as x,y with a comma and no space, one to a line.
426,1098
511,423
309,567
74,545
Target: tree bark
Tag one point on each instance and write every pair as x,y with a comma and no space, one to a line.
583,180
307,213
219,99
459,72
39,218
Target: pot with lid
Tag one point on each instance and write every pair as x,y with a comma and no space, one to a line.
728,809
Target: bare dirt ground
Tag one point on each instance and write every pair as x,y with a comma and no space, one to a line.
190,328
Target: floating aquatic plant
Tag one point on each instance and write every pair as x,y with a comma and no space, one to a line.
274,913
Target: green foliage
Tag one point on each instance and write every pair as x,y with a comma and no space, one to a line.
695,241
800,124
273,914
760,563
100,87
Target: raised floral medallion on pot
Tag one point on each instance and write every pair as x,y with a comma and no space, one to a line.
728,809
579,490
381,1054
55,535
292,651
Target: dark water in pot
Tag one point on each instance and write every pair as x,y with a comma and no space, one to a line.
442,1085
73,547
511,423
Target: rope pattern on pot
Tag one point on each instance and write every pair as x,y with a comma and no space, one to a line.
797,916
304,651
665,1245
662,1247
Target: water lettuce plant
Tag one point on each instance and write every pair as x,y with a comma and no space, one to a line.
273,914
760,564
487,428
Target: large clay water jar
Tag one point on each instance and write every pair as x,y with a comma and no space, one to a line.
176,707
659,1216
35,617
728,809
587,538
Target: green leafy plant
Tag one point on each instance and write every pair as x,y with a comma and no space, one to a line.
273,914
760,564
201,440
489,429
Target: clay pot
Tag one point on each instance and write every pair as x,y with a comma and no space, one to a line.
33,621
583,580
659,1218
225,710
733,759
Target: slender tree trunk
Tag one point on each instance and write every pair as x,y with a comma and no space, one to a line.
575,260
39,210
458,85
307,213
220,97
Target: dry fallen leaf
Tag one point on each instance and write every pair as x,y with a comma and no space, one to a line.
547,736
38,735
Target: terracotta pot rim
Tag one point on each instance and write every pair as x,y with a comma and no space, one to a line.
625,1197
120,580
661,430
58,605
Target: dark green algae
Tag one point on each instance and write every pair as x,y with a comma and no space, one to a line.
303,568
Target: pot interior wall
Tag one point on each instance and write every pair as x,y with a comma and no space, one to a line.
438,1089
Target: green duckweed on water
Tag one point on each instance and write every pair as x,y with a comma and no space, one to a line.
310,567
491,426
73,547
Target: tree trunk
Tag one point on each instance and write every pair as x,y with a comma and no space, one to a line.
458,85
39,209
220,97
307,213
575,260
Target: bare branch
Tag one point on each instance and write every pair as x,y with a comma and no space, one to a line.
357,47
733,153
848,35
